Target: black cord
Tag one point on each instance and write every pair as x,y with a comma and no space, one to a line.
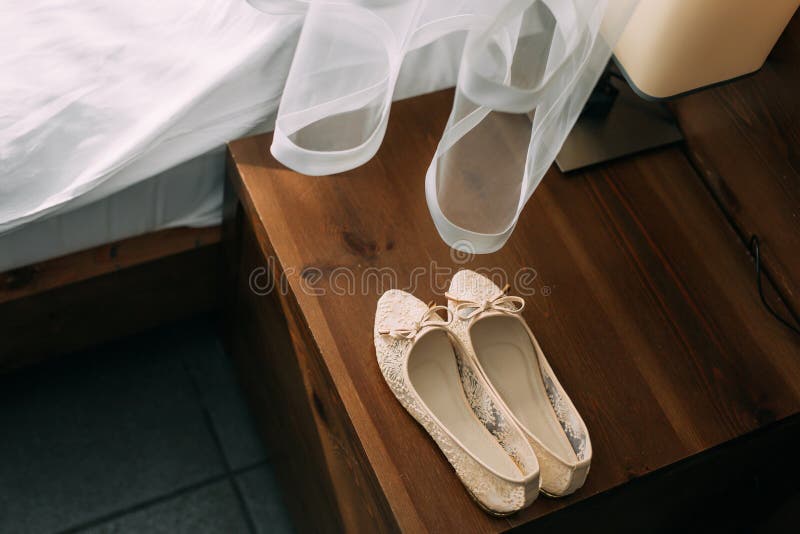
755,250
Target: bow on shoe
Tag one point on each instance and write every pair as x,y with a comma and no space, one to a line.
467,309
431,317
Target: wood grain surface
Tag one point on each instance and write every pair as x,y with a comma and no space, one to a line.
104,259
744,139
644,303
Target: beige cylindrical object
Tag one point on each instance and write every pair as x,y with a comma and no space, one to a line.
671,47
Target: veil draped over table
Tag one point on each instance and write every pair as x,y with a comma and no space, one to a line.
526,71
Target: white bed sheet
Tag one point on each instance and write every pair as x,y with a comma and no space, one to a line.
97,98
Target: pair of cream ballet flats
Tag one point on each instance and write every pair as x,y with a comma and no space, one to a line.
478,382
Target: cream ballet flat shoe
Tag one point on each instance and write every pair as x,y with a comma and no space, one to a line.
489,325
424,367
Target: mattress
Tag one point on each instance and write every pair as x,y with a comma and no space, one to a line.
189,194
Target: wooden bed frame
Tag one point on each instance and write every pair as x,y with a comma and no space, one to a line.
83,299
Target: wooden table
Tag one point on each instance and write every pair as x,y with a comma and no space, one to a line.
744,140
645,303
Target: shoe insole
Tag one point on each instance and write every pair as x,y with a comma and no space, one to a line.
433,372
508,357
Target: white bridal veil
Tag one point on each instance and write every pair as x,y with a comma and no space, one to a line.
526,71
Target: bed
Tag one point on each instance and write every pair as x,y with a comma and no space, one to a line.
114,116
114,120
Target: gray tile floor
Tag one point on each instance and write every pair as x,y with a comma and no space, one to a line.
145,434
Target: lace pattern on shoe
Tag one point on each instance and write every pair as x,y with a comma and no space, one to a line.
472,295
498,494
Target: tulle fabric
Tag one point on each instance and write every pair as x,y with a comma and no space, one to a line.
526,70
97,96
